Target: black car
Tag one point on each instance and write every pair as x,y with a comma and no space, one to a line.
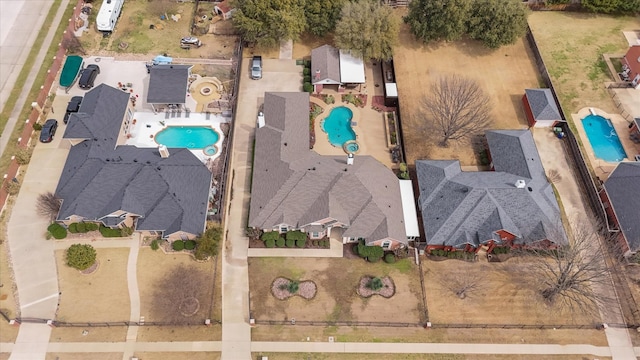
72,107
48,130
88,76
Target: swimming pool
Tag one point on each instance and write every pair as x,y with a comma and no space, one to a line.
338,126
191,137
603,138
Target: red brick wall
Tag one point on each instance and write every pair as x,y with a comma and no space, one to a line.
527,111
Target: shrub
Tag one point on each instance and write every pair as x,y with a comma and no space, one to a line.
290,243
178,245
325,243
274,235
57,231
307,63
109,232
314,242
23,156
37,126
296,235
189,245
154,245
292,287
270,243
374,284
301,243
126,231
307,87
306,71
306,78
81,256
12,187
91,226
371,253
81,227
389,258
207,244
73,228
280,242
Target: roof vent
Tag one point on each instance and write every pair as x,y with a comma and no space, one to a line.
520,184
350,159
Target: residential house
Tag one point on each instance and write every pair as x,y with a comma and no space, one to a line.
621,198
631,66
168,86
224,9
540,108
295,188
335,68
513,205
120,185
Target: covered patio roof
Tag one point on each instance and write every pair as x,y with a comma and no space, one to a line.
351,69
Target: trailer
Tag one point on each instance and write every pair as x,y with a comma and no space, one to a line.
108,15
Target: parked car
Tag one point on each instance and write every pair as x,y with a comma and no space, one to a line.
48,130
88,76
72,107
189,41
256,68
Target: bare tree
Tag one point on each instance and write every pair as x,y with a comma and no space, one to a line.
573,276
462,284
553,176
181,294
73,44
48,205
456,109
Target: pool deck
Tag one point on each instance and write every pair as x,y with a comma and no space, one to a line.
370,129
149,124
603,168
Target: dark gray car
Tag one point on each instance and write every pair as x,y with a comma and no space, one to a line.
88,76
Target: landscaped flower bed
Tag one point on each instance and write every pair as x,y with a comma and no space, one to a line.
283,288
386,287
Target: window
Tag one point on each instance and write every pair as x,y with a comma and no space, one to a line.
283,229
386,244
314,234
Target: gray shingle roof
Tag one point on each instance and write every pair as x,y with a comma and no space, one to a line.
461,208
326,60
623,189
542,104
98,179
294,185
168,84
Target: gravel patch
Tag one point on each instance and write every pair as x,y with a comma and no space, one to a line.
306,289
387,291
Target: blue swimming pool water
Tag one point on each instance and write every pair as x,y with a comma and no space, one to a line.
338,126
603,138
191,137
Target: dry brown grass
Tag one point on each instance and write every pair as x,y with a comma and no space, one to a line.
301,48
633,278
503,74
8,333
178,355
505,296
319,356
417,335
133,28
572,45
96,334
335,300
180,333
100,296
153,266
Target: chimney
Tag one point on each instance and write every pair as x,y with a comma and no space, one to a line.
164,152
260,119
520,184
317,77
350,159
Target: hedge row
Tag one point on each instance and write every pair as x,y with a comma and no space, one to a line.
180,245
82,227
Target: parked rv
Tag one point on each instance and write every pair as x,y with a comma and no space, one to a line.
108,15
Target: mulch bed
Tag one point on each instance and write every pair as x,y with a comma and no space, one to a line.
387,291
306,289
349,251
93,268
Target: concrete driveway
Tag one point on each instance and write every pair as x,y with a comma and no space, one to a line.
278,75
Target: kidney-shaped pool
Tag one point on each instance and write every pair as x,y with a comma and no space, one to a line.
190,137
